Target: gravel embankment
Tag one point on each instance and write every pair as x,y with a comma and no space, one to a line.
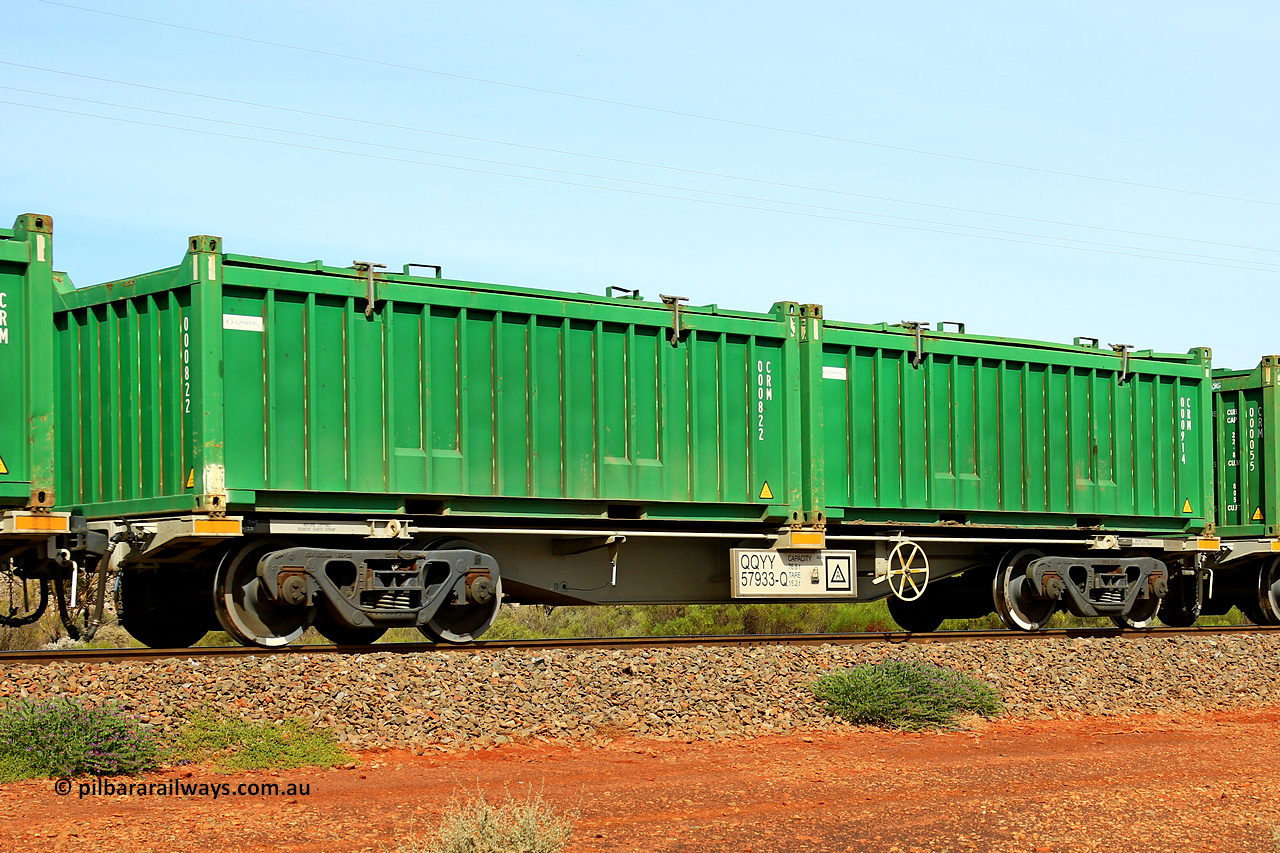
459,700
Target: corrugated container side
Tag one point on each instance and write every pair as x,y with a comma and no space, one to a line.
26,367
1247,463
264,382
995,431
459,390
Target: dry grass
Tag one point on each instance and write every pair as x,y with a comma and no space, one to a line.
529,825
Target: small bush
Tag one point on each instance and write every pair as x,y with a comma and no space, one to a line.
905,695
59,737
514,826
236,744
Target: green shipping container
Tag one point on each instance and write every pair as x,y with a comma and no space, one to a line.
230,382
1247,455
27,293
935,427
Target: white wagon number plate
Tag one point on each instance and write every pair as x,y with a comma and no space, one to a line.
794,574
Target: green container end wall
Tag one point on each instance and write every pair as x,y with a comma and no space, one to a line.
230,379
26,366
129,409
990,430
1247,476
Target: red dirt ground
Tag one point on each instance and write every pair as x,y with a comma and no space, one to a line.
1152,783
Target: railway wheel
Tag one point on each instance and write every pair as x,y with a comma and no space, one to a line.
466,622
244,610
922,616
164,609
1141,616
463,623
1011,591
345,635
1253,612
1268,599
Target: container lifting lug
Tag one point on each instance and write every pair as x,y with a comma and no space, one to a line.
673,302
436,270
366,269
1123,351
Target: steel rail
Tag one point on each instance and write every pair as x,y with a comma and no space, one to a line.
50,656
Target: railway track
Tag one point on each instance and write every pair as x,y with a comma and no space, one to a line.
49,656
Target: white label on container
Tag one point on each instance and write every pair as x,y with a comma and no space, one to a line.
793,574
186,365
840,373
764,394
242,323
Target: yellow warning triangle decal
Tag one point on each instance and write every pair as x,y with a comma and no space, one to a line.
191,480
1186,506
1257,514
4,469
766,494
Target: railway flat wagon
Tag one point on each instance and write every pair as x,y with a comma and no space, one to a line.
1247,572
259,445
367,449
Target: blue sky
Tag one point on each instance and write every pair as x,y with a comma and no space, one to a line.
1045,171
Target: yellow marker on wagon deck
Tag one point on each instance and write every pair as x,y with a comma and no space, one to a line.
1257,514
766,494
1186,506
191,479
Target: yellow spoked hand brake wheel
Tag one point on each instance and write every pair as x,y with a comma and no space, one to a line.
908,570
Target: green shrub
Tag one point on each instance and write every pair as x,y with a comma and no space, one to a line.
219,639
514,826
58,737
236,744
905,695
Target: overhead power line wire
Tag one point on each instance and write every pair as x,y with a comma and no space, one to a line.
652,185
1253,266
662,110
699,172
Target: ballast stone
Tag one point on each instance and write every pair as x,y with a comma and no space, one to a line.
460,700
